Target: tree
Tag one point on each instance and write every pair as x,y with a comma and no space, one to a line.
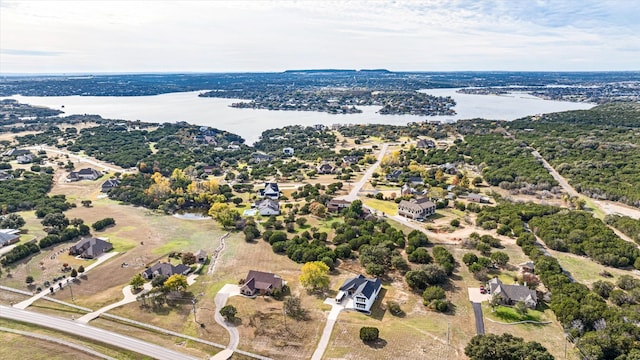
86,203
314,276
55,221
421,256
158,281
301,221
12,221
368,333
469,258
251,232
137,282
603,288
432,293
521,308
500,258
293,308
29,280
188,258
74,273
229,312
455,222
176,282
80,269
504,347
222,213
318,209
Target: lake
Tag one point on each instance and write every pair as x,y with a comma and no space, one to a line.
250,123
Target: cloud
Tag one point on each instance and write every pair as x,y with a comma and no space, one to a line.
131,36
25,52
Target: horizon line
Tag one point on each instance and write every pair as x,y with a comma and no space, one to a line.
103,73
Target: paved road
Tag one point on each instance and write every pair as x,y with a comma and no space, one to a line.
356,187
477,312
59,342
220,300
328,328
87,331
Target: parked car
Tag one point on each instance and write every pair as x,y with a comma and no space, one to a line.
482,289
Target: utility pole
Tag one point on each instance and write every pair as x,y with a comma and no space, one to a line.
71,289
193,301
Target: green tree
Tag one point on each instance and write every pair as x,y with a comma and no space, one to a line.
499,258
315,276
29,279
504,347
469,258
12,221
229,312
137,282
368,333
158,281
74,273
432,293
80,269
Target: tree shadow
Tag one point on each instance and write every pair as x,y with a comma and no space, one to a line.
376,344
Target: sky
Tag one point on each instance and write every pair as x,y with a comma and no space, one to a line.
120,36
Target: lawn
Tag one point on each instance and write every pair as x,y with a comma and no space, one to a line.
388,207
585,270
510,315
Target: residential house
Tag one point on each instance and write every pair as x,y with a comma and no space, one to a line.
9,236
208,169
350,160
415,180
110,184
511,294
394,175
364,292
527,267
5,176
288,151
263,283
426,144
406,189
325,168
84,174
478,198
25,159
336,205
449,168
416,208
270,190
268,207
234,145
319,127
258,158
201,256
165,269
16,152
90,248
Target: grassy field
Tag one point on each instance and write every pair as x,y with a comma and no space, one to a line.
388,207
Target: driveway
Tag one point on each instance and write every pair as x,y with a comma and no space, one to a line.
476,296
328,328
477,312
129,297
221,299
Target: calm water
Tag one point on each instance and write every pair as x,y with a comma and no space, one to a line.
249,123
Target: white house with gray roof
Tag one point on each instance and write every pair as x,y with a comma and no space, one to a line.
364,292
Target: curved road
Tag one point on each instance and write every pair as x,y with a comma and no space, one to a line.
87,331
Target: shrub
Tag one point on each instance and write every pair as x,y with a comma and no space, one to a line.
101,224
368,333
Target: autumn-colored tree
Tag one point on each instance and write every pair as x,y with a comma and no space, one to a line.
315,276
176,282
318,209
